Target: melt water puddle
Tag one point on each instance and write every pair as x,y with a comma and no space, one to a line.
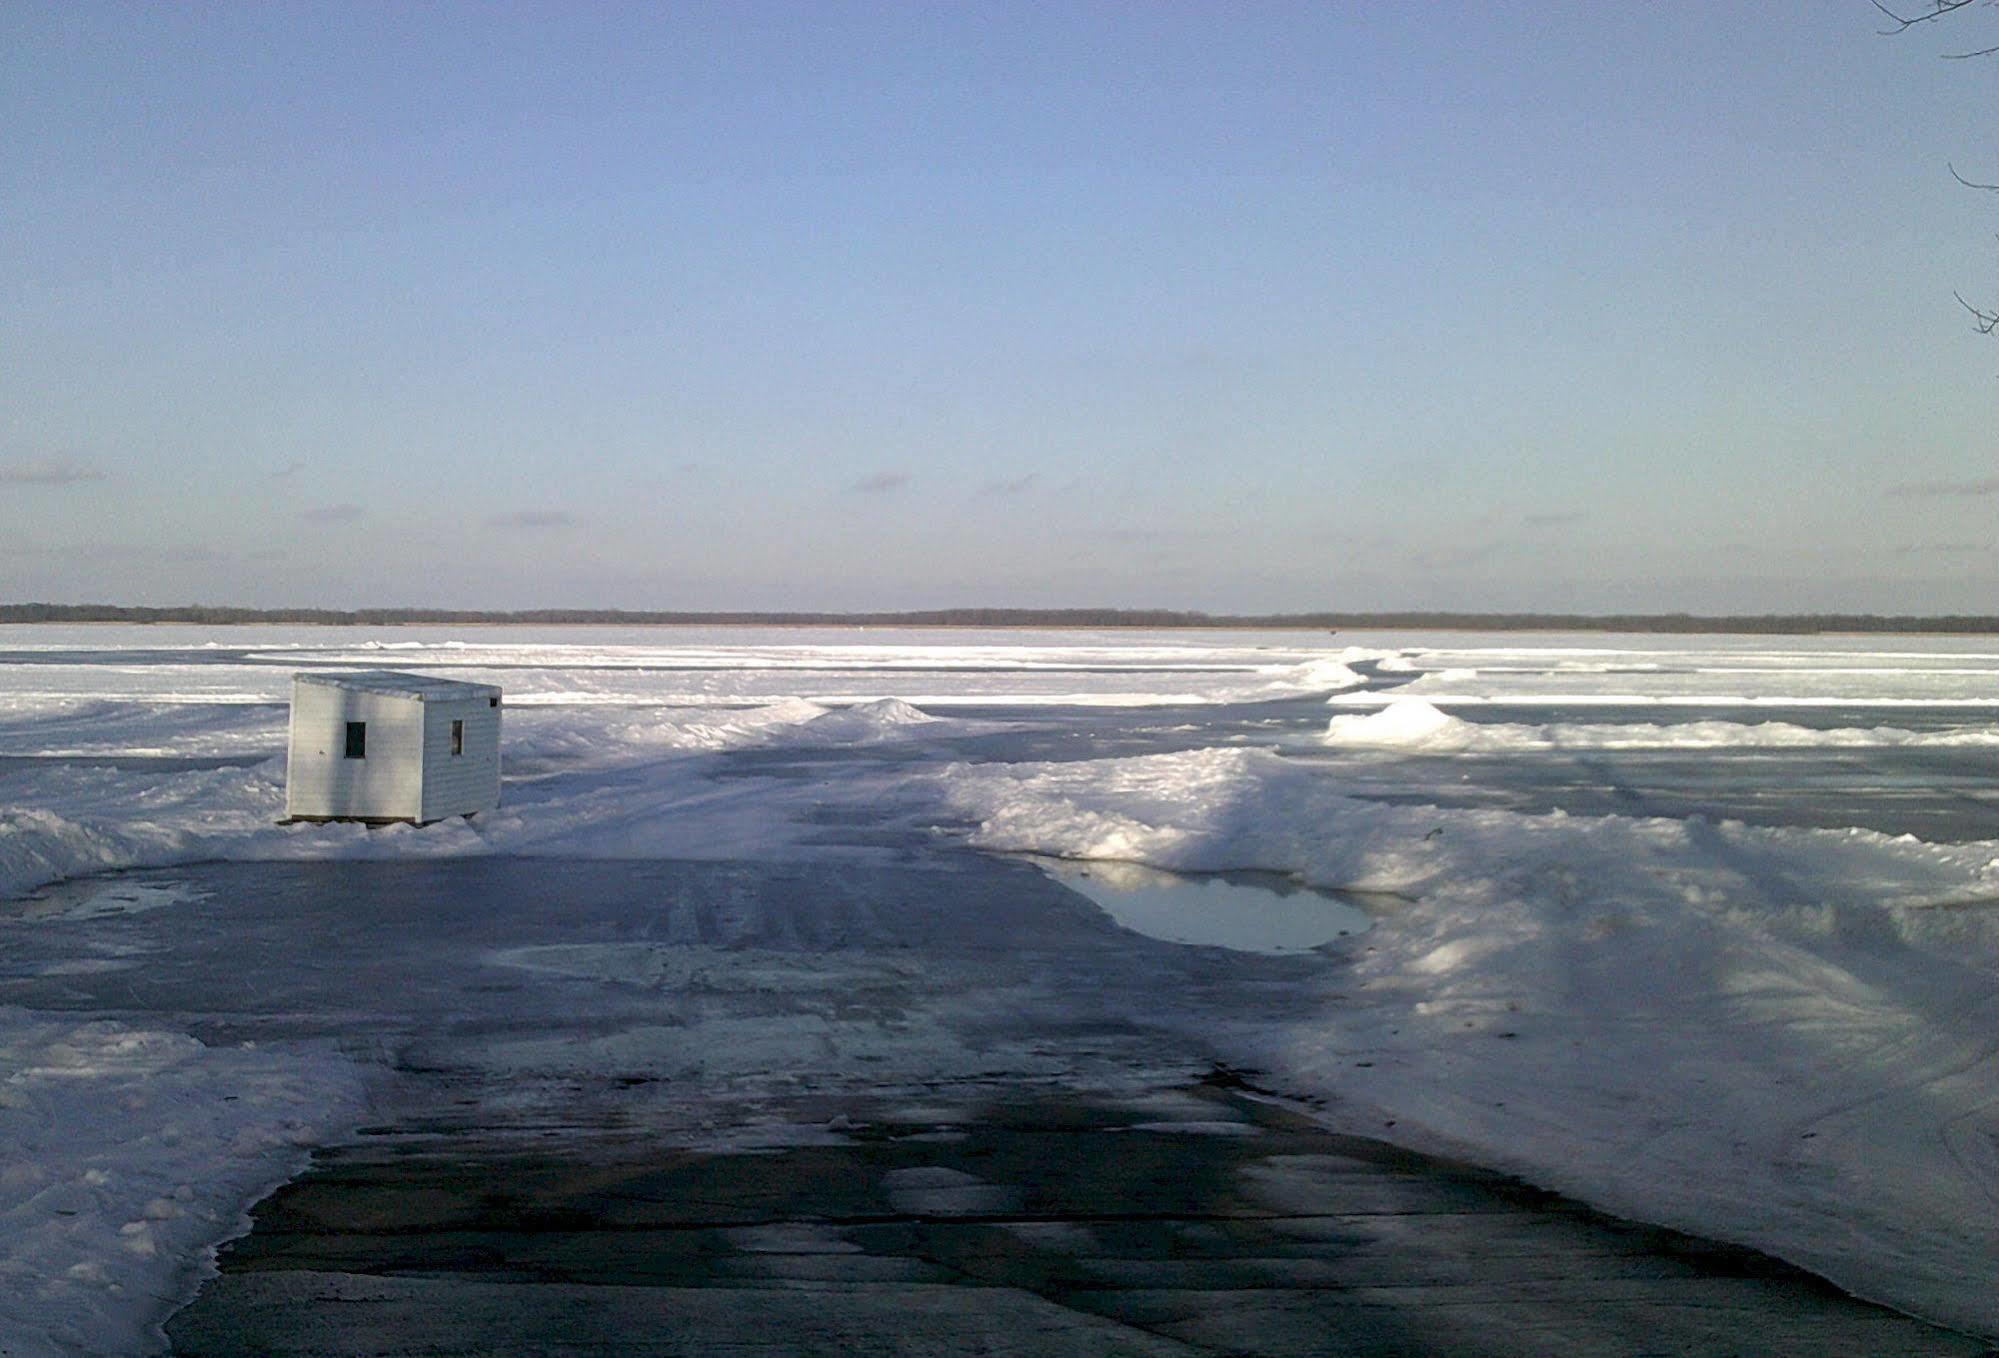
1265,912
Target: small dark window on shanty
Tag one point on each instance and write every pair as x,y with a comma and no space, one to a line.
458,737
357,740
492,702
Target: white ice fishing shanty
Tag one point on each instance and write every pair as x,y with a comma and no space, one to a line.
380,746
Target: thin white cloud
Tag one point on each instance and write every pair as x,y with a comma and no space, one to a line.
1984,485
119,551
1154,535
47,472
533,518
332,513
881,483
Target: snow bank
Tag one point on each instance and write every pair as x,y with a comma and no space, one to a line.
875,723
540,738
128,820
1405,724
1784,1037
1558,669
1417,726
1328,673
583,783
535,739
65,821
87,727
131,1154
1633,686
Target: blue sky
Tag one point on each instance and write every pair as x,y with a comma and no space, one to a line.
1235,307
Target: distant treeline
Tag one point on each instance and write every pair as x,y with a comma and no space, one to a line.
1792,623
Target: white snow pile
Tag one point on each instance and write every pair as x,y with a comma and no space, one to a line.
541,738
879,722
68,821
1417,726
586,783
1326,674
1405,724
1464,668
72,728
1784,1037
129,1155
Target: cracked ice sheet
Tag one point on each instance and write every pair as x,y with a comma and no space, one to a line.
1784,1037
1413,726
44,668
1578,671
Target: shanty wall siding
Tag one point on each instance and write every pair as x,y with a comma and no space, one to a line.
321,781
457,785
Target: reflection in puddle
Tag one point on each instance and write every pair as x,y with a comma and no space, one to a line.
1263,912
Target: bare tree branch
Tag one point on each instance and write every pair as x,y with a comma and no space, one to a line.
1985,321
1903,23
1969,184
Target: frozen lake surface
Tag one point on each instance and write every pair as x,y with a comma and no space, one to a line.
1699,930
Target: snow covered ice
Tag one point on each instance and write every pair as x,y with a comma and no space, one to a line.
1649,927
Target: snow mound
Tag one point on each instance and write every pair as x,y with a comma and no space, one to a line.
1405,724
592,783
1784,1037
1421,727
70,822
1327,674
885,719
542,739
130,1152
538,738
69,727
81,822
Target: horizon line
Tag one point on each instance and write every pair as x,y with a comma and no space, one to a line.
986,616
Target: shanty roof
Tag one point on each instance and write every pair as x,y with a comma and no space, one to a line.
422,687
